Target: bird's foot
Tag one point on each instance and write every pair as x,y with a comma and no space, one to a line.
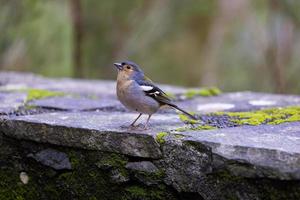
135,127
143,126
131,126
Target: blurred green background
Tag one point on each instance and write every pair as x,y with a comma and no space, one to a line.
232,44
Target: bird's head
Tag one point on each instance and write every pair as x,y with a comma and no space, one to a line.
128,69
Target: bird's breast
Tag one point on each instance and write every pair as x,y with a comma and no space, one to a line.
131,96
126,92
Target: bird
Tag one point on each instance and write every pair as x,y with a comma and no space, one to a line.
138,93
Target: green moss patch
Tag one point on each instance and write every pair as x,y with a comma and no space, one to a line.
186,119
33,94
160,137
232,119
191,124
179,136
147,193
205,92
112,161
266,116
137,191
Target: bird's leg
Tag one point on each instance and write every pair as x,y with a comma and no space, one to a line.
147,123
132,124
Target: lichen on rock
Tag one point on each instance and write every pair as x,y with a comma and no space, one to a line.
33,94
192,124
266,116
160,137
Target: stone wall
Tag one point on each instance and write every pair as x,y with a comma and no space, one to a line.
61,139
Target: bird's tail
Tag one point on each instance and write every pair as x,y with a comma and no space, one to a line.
185,112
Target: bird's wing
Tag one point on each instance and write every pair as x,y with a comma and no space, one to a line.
153,91
156,93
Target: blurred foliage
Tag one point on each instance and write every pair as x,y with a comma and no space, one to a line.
235,45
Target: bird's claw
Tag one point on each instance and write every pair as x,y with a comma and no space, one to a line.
128,127
143,126
135,127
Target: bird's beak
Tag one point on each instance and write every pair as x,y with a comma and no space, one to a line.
118,65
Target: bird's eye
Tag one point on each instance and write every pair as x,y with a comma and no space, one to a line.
128,67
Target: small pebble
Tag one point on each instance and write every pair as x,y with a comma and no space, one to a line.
24,177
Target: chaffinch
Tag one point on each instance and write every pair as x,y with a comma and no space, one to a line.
138,93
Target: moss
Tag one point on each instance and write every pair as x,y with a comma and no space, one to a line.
75,161
113,160
51,189
206,92
187,120
266,116
226,176
178,136
279,190
230,187
33,94
151,178
160,137
137,191
85,181
147,193
192,124
160,174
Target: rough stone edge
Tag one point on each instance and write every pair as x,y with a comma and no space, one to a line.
137,145
256,168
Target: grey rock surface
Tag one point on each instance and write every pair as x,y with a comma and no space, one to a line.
52,158
117,177
91,130
276,147
145,172
185,164
239,101
77,103
144,166
281,137
9,102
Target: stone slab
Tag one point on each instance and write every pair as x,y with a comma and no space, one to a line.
273,146
272,150
52,158
9,102
77,103
92,130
